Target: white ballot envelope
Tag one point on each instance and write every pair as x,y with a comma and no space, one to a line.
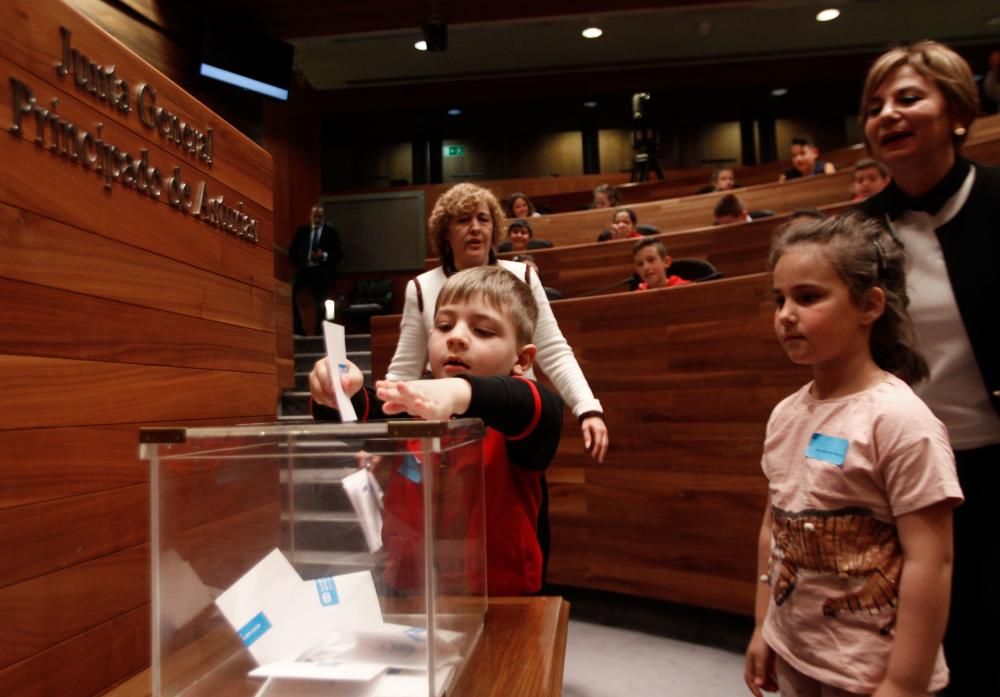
346,603
365,496
400,646
336,352
270,611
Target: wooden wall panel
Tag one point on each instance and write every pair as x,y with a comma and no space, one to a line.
36,48
60,392
75,667
119,311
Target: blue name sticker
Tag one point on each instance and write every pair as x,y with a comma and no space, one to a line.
327,589
410,468
254,629
828,449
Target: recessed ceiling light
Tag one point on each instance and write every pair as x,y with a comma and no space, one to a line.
993,21
420,45
454,112
592,32
827,15
779,91
590,104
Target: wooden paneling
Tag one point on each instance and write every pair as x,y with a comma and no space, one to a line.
55,607
696,211
45,392
74,666
36,48
119,311
673,511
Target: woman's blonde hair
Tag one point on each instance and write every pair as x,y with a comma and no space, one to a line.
462,198
937,64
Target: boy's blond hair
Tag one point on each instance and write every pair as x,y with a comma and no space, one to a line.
501,290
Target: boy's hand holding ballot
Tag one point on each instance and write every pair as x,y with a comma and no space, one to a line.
479,349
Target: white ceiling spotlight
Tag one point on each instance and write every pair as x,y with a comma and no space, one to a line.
420,45
779,91
454,112
827,15
590,104
592,32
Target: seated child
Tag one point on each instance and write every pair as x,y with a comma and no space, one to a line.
606,196
870,177
805,160
479,351
623,226
730,209
520,238
721,180
651,264
520,206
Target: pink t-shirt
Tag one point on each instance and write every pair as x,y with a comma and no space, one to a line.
841,471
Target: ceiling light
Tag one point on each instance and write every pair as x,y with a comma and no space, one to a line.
592,32
420,45
454,112
590,105
993,21
779,91
827,15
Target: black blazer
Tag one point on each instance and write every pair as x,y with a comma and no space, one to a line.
329,242
971,245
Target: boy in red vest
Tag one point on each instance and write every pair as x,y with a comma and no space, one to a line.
479,351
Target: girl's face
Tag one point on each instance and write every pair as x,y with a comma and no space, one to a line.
907,122
622,225
520,208
601,200
725,181
815,319
470,234
519,237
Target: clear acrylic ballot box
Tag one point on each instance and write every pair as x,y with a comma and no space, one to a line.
316,559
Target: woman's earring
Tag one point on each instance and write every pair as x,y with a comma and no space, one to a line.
959,131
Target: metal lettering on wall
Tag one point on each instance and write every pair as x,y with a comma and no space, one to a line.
88,148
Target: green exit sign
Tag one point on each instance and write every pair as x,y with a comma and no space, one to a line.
454,150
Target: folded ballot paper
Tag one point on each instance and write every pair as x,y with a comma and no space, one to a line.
330,631
365,495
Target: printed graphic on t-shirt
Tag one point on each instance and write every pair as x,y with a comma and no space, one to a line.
848,543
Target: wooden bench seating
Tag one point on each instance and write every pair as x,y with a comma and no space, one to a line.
686,182
734,250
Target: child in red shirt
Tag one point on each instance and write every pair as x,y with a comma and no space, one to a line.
479,350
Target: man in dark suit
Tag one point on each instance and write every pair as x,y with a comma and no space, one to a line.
314,253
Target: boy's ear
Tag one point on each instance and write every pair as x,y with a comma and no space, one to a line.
873,305
525,359
667,261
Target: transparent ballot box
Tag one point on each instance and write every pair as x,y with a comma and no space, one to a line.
316,559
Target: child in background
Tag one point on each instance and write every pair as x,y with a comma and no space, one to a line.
520,206
479,350
651,265
606,196
870,177
805,160
730,209
854,552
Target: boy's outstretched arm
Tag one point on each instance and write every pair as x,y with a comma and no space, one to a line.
924,590
529,414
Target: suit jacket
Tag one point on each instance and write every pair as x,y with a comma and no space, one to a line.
971,245
329,242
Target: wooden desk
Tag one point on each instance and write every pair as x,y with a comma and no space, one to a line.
521,652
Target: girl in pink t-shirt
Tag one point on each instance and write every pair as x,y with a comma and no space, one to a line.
854,552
